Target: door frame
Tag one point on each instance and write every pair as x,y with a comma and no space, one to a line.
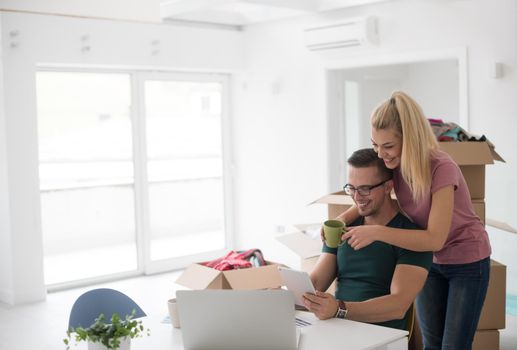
336,154
144,232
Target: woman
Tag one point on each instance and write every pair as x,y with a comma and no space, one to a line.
432,191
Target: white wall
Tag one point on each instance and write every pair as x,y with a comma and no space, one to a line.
503,250
58,40
375,84
282,153
435,86
280,128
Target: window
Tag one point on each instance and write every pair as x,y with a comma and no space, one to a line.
127,187
184,167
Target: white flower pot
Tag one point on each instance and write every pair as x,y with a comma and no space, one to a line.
125,344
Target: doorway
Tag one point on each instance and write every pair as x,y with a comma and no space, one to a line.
437,82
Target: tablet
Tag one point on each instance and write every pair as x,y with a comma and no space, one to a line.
297,282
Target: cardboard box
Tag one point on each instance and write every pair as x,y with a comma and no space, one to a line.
307,248
493,314
494,308
483,339
198,276
416,343
337,203
471,153
472,158
479,208
475,178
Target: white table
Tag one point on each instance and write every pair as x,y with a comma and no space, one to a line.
328,335
345,334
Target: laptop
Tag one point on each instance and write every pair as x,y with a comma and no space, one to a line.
237,320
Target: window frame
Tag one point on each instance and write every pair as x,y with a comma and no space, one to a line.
141,191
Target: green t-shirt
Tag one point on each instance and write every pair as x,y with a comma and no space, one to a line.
366,273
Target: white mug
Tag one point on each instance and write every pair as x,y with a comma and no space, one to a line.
173,313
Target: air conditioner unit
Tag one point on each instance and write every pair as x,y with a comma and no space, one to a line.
354,32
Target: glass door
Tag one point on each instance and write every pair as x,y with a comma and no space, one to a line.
86,175
185,118
133,173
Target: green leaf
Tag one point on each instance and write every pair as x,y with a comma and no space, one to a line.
108,334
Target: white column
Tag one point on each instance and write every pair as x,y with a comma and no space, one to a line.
19,184
6,280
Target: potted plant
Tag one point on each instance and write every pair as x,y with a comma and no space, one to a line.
101,335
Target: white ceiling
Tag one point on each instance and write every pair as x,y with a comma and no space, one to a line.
244,12
226,12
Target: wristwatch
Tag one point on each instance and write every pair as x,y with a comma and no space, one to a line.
341,310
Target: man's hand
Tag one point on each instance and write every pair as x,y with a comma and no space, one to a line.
360,236
323,305
322,235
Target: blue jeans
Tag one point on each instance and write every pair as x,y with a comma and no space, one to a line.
449,305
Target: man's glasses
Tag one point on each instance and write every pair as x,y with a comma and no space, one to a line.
361,190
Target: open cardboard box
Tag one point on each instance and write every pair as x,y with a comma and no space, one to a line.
337,203
471,152
306,247
198,276
472,158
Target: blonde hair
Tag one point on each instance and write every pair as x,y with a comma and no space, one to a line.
405,116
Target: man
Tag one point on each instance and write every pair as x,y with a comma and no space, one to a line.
378,283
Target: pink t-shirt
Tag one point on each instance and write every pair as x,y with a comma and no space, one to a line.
468,240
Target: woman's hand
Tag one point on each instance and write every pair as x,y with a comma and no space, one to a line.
323,305
362,236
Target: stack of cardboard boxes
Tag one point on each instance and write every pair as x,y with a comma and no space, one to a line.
472,158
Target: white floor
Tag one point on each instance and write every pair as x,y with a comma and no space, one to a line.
42,325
